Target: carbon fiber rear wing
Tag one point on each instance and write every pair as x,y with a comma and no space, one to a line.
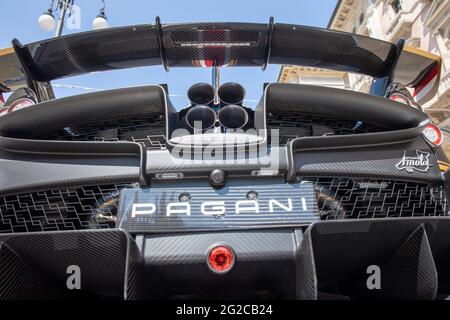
228,44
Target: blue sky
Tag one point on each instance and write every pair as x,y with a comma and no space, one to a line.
19,20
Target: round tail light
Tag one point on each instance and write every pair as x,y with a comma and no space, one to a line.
433,134
20,104
398,97
220,259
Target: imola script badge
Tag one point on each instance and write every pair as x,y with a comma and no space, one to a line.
419,163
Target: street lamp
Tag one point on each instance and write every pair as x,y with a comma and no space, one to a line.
47,20
100,22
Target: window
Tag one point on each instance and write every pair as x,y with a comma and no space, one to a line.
396,4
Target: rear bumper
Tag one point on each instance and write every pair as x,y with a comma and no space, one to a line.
331,257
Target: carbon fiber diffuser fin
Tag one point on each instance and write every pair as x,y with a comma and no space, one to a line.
18,280
108,264
396,259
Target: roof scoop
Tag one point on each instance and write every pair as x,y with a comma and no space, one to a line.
201,94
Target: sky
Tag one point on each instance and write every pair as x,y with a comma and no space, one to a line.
20,20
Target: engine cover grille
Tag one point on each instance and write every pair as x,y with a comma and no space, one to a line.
293,125
148,130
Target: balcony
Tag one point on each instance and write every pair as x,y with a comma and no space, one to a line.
401,25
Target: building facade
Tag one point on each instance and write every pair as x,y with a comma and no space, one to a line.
424,24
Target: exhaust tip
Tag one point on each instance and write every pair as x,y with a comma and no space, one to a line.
233,117
200,117
231,93
201,94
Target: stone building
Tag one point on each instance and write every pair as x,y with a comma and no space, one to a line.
424,24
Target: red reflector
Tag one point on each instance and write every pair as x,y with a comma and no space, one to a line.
220,259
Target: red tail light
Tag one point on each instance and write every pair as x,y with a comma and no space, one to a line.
20,104
433,134
398,97
220,259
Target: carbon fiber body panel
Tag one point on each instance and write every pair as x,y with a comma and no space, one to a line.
328,258
409,252
378,161
34,165
219,43
109,260
76,111
343,104
264,260
359,163
309,265
243,44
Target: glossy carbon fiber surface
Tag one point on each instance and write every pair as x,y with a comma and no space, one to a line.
108,259
324,158
329,259
357,162
94,51
409,253
77,111
42,165
264,260
22,284
344,104
205,44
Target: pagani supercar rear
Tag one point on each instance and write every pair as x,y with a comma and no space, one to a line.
315,193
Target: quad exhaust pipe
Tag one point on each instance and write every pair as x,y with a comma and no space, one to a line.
201,94
202,116
231,93
233,116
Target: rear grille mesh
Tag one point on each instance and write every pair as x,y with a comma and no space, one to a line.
148,130
343,198
95,207
293,125
89,207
